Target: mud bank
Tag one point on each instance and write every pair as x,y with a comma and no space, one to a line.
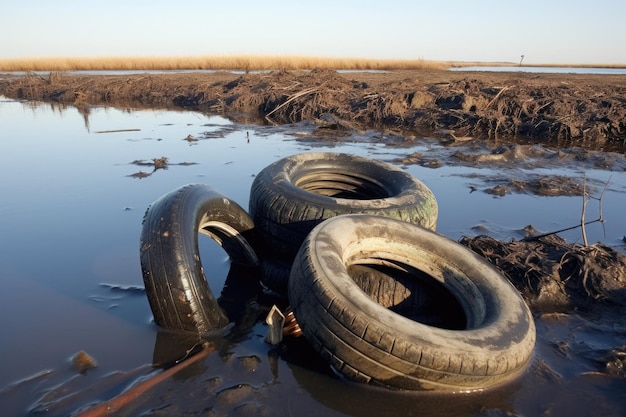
562,110
558,110
554,275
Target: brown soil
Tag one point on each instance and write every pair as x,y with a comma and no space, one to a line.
562,110
555,275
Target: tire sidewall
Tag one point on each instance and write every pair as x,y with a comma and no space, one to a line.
500,337
403,190
284,212
173,273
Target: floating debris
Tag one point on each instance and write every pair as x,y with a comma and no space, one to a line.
140,174
160,163
417,158
156,164
499,190
82,362
117,131
20,382
124,288
557,185
213,135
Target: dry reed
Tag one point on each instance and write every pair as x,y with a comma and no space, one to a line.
234,62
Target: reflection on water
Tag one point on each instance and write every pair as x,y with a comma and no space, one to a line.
72,205
547,70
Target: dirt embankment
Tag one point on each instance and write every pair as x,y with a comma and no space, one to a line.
560,109
555,275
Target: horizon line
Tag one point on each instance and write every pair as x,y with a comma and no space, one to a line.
254,62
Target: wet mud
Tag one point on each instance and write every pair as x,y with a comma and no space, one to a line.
564,110
524,158
557,276
577,292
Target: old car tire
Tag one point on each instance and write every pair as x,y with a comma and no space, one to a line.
294,194
275,273
365,340
176,286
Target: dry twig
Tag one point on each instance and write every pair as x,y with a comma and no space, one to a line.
497,97
582,215
292,98
583,223
115,404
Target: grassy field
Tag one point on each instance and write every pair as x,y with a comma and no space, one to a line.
246,63
212,63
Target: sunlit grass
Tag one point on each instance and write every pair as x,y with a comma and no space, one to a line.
235,62
246,63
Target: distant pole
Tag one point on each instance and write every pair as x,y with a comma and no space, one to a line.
520,61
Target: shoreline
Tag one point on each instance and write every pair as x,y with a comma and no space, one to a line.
555,109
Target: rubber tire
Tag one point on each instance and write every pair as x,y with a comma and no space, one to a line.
367,342
176,286
275,274
292,195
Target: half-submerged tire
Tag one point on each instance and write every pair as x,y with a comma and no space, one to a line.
176,286
292,195
358,329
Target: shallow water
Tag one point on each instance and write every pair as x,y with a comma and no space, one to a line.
71,210
548,70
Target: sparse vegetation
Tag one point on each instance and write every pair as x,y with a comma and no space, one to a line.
235,62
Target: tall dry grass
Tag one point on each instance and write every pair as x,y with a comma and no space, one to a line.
235,62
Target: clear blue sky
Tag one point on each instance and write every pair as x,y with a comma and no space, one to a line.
544,31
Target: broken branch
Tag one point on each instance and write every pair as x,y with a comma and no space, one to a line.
582,215
113,405
496,97
292,98
583,223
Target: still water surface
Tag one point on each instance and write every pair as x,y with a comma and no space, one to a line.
69,266
547,70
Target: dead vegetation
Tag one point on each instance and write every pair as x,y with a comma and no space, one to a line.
564,110
156,164
548,186
218,62
553,274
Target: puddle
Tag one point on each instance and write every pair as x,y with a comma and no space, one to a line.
73,202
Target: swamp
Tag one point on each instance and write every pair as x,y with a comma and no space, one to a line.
517,162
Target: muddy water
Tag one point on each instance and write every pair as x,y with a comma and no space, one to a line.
75,185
